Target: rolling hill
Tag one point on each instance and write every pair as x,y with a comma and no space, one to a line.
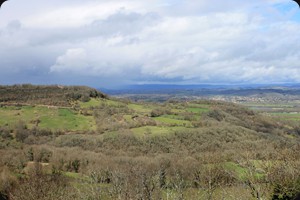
86,145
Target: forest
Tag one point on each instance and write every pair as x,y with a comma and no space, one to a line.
75,142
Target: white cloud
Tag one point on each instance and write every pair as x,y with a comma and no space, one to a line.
190,41
74,60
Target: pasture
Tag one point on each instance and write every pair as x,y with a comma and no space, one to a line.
44,117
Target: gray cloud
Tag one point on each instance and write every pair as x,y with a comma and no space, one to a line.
166,41
122,23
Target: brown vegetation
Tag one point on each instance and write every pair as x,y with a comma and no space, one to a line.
46,95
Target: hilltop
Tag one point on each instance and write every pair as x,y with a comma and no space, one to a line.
56,95
102,147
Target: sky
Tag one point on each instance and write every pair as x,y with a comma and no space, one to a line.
112,43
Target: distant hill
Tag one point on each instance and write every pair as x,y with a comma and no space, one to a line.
160,93
204,90
54,95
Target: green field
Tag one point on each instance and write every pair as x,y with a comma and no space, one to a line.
98,102
91,103
140,108
81,118
197,110
155,130
44,117
165,120
287,116
283,111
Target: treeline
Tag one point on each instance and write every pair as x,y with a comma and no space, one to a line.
54,95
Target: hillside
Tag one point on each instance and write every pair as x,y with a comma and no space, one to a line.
80,144
54,95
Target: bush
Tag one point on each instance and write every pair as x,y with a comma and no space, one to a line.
40,186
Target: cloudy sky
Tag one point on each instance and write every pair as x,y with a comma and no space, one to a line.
109,43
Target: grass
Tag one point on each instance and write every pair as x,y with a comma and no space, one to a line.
289,112
172,122
67,120
140,108
242,172
128,118
74,175
268,105
179,117
197,110
154,130
92,103
50,118
113,103
178,111
110,135
196,105
237,169
287,116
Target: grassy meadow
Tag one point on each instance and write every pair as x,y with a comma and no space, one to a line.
44,117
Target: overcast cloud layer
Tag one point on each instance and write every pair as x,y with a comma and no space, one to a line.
109,43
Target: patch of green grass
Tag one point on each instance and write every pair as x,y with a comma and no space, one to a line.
242,172
179,117
196,105
197,110
178,111
92,103
268,105
172,122
237,169
127,117
76,176
67,120
72,175
11,115
284,114
155,130
110,135
50,118
110,102
140,108
293,116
